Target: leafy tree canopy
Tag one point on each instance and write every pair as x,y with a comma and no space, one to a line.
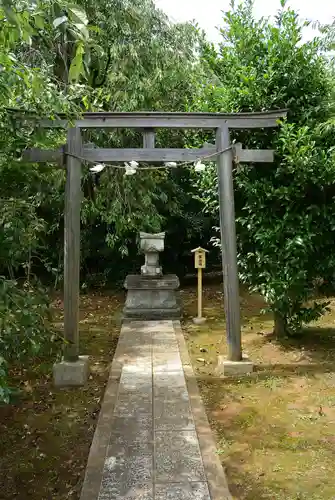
285,211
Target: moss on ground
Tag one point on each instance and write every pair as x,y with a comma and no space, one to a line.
275,429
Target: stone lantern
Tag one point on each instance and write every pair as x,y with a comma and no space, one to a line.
151,295
151,245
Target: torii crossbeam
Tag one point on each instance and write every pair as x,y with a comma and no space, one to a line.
74,152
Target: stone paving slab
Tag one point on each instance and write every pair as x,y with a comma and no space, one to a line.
165,342
178,457
134,431
131,404
172,410
126,467
164,362
188,491
169,381
153,440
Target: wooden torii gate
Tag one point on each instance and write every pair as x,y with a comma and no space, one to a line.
74,152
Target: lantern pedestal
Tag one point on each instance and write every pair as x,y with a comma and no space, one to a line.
152,298
151,295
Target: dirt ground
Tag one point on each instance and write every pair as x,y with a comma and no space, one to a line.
275,429
46,434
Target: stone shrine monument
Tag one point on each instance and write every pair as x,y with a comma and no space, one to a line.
151,295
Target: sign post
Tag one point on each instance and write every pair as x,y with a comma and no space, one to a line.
200,264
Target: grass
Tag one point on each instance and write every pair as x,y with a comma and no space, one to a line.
275,429
46,435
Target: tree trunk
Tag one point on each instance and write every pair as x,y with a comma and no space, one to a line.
280,325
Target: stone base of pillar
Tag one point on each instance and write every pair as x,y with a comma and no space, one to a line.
150,298
227,368
71,373
199,321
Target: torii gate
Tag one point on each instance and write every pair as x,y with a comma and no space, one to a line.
73,369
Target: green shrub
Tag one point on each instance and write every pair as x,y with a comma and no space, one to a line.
25,327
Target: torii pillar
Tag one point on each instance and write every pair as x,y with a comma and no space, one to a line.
235,363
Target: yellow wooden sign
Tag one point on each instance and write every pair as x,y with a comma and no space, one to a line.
200,264
199,258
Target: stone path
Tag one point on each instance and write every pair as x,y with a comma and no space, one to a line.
152,440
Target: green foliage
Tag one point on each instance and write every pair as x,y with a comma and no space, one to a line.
4,389
20,229
24,310
133,59
24,327
59,56
285,211
264,65
287,227
144,62
25,330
